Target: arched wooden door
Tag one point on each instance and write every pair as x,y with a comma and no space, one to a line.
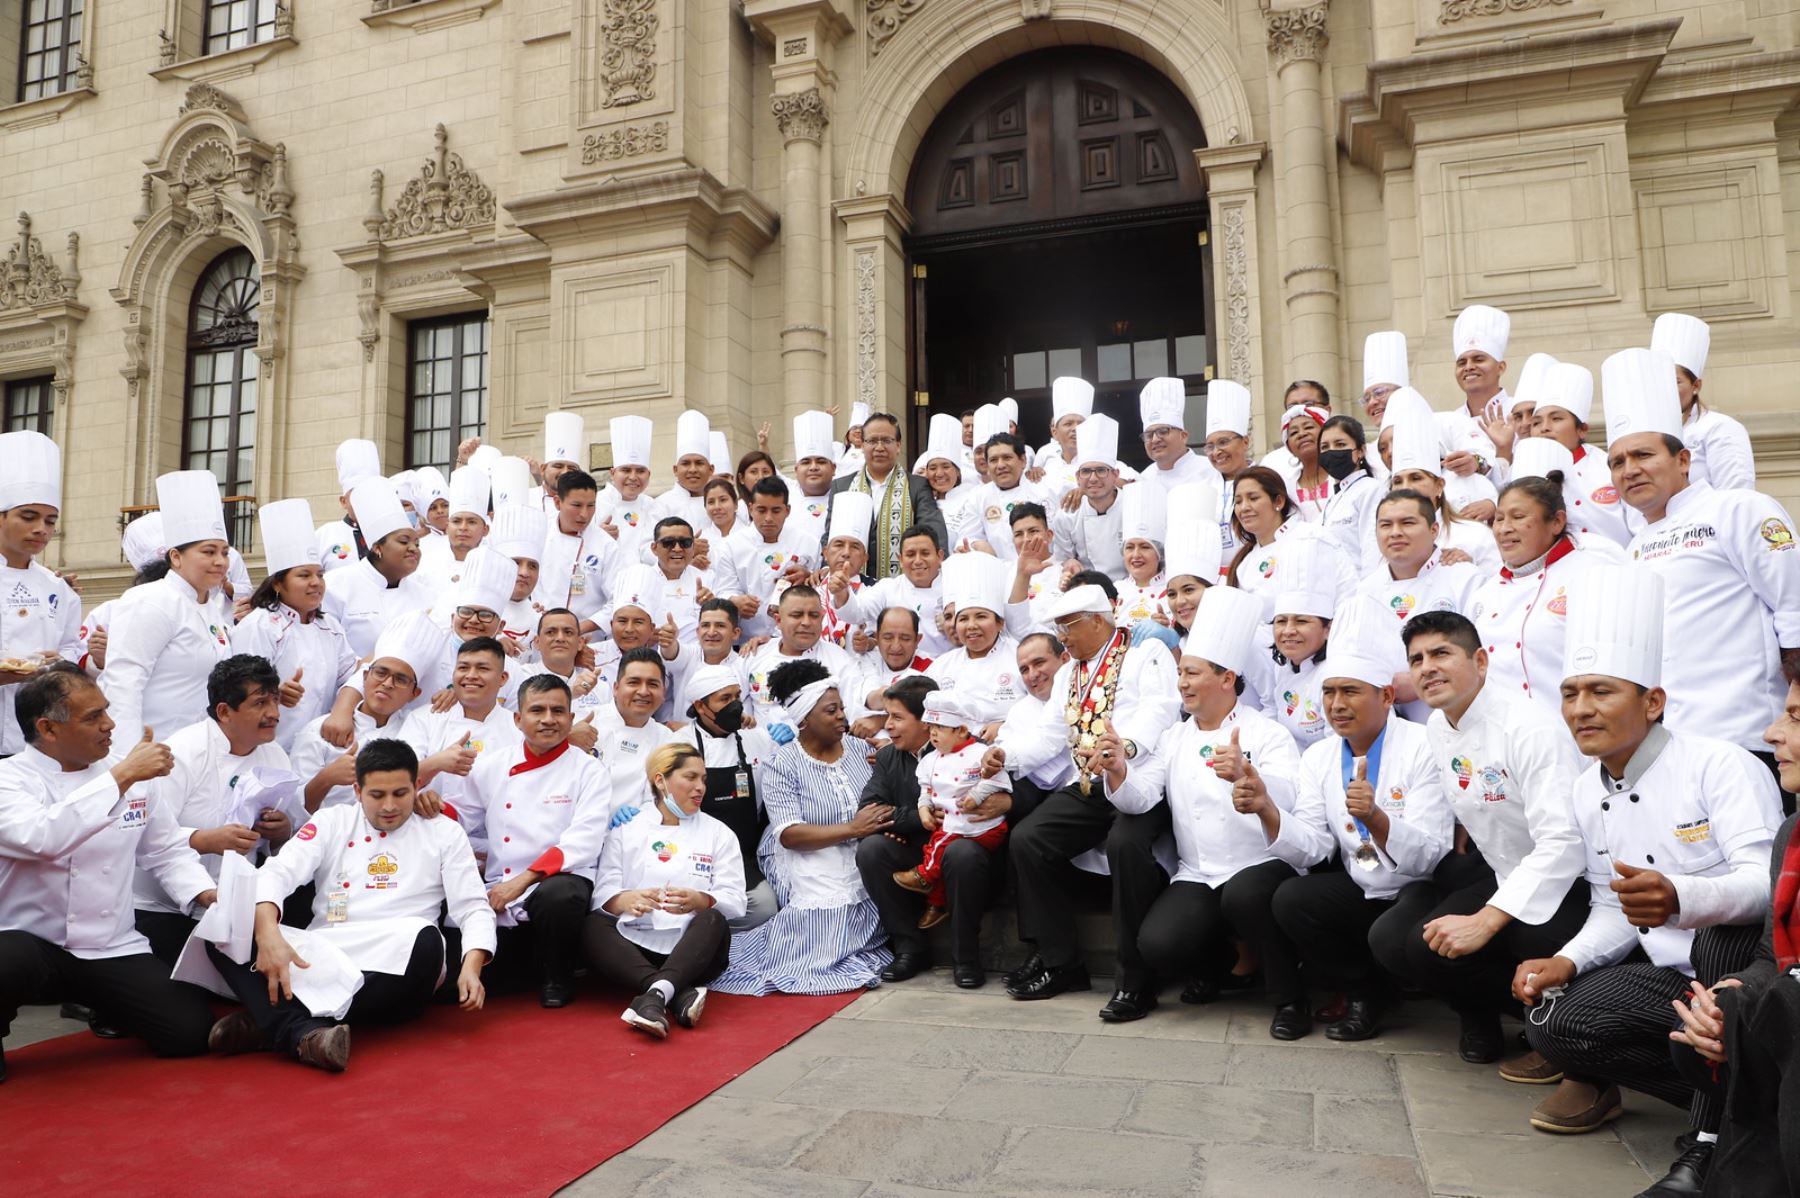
1059,226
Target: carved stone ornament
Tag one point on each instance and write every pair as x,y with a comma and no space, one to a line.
1296,34
886,17
1452,11
628,51
30,278
866,339
1034,10
444,195
801,116
1237,295
627,142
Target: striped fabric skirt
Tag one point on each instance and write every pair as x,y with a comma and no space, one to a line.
819,950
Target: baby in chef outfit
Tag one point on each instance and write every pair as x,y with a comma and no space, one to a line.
950,788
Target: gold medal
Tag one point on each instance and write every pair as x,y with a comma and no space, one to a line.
1101,704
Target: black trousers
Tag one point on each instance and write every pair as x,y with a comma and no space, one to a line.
1480,983
1613,1024
384,997
1065,825
1759,1142
971,876
1332,923
547,947
697,958
135,992
1189,926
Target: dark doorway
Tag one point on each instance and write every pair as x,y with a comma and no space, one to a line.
1060,228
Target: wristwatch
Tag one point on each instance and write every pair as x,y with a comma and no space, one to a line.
1131,750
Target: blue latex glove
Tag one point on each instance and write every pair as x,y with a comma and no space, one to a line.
781,734
622,816
1150,630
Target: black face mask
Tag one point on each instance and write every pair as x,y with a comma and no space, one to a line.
729,718
1339,463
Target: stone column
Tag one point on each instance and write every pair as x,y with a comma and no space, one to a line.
1230,174
801,117
1309,273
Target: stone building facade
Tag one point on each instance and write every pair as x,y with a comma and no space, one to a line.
250,229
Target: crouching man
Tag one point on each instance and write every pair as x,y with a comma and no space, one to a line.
381,874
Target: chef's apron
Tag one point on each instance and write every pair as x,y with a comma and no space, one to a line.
731,799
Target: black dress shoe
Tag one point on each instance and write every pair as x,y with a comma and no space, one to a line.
77,1012
555,994
1481,1041
105,1030
1361,1021
1232,982
906,965
969,977
1128,1005
1031,965
1199,992
1292,1022
1686,1176
1050,981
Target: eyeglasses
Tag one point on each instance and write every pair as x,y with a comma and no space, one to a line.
1065,623
379,674
481,614
1158,433
1093,472
881,440
676,542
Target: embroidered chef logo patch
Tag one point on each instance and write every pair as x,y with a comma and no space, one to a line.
1777,534
22,598
1493,784
307,833
384,872
1694,831
993,513
1266,567
1291,699
1584,657
664,849
1464,769
1559,605
1606,495
1396,799
341,552
1403,605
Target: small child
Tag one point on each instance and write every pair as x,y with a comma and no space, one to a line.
950,787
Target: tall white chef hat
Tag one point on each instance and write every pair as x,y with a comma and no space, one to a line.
408,493
1163,402
1365,643
356,460
631,440
1479,327
1532,378
33,465
484,457
1009,413
943,439
430,485
1097,442
977,580
851,514
1569,387
1227,408
1536,457
565,439
1306,578
288,539
1070,396
1193,546
487,580
693,435
1225,628
1638,387
1404,404
1416,445
1143,514
377,510
419,643
718,450
143,541
469,487
1615,624
859,414
192,511
519,531
1384,360
1686,339
511,482
812,436
989,423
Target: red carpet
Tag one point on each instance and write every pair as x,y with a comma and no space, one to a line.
514,1100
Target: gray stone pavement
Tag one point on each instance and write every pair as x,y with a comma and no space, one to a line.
921,1089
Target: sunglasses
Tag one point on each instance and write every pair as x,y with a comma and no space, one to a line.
676,542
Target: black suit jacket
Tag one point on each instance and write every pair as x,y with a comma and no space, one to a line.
924,505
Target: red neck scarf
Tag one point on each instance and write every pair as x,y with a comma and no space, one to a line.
534,762
1786,923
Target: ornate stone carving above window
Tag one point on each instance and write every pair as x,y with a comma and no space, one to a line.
1452,11
38,309
180,53
628,54
444,195
422,16
884,21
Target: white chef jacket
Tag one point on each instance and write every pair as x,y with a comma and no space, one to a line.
745,564
1214,842
689,658
320,648
873,674
660,595
761,700
363,604
1143,601
335,542
698,853
985,515
1059,475
809,520
70,844
1091,537
1718,450
1731,603
1473,538
946,779
1509,768
1459,431
632,518
1259,573
951,505
1146,705
201,791
1701,812
1293,697
94,619
40,614
867,603
1349,519
623,753
312,752
676,502
1408,789
1522,618
396,881
1593,503
988,686
547,814
429,732
1042,591
578,572
1192,468
1053,774
162,645
1436,588
438,567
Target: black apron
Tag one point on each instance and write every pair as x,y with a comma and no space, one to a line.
731,799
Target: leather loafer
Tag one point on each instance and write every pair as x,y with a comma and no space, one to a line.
1361,1021
1128,1005
79,1012
105,1030
1050,981
235,1033
1200,992
1686,1176
1031,965
327,1048
1575,1108
555,994
906,965
1292,1022
1533,1069
969,977
1481,1040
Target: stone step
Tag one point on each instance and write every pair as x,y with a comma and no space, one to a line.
1001,948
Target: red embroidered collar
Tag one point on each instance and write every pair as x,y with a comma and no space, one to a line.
534,762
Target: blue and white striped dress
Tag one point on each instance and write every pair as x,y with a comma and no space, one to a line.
827,938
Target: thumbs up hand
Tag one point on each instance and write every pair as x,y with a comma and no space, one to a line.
1648,898
145,761
291,690
1248,794
584,735
1359,796
666,636
1229,761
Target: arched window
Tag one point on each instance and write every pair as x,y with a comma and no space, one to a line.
219,433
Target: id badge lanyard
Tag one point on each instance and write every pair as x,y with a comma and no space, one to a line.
1366,857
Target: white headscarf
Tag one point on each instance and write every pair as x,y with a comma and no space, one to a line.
807,698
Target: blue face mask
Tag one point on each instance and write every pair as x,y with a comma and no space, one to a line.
674,809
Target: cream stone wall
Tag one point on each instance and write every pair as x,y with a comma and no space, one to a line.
702,203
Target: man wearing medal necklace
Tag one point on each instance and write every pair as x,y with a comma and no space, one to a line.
1108,700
